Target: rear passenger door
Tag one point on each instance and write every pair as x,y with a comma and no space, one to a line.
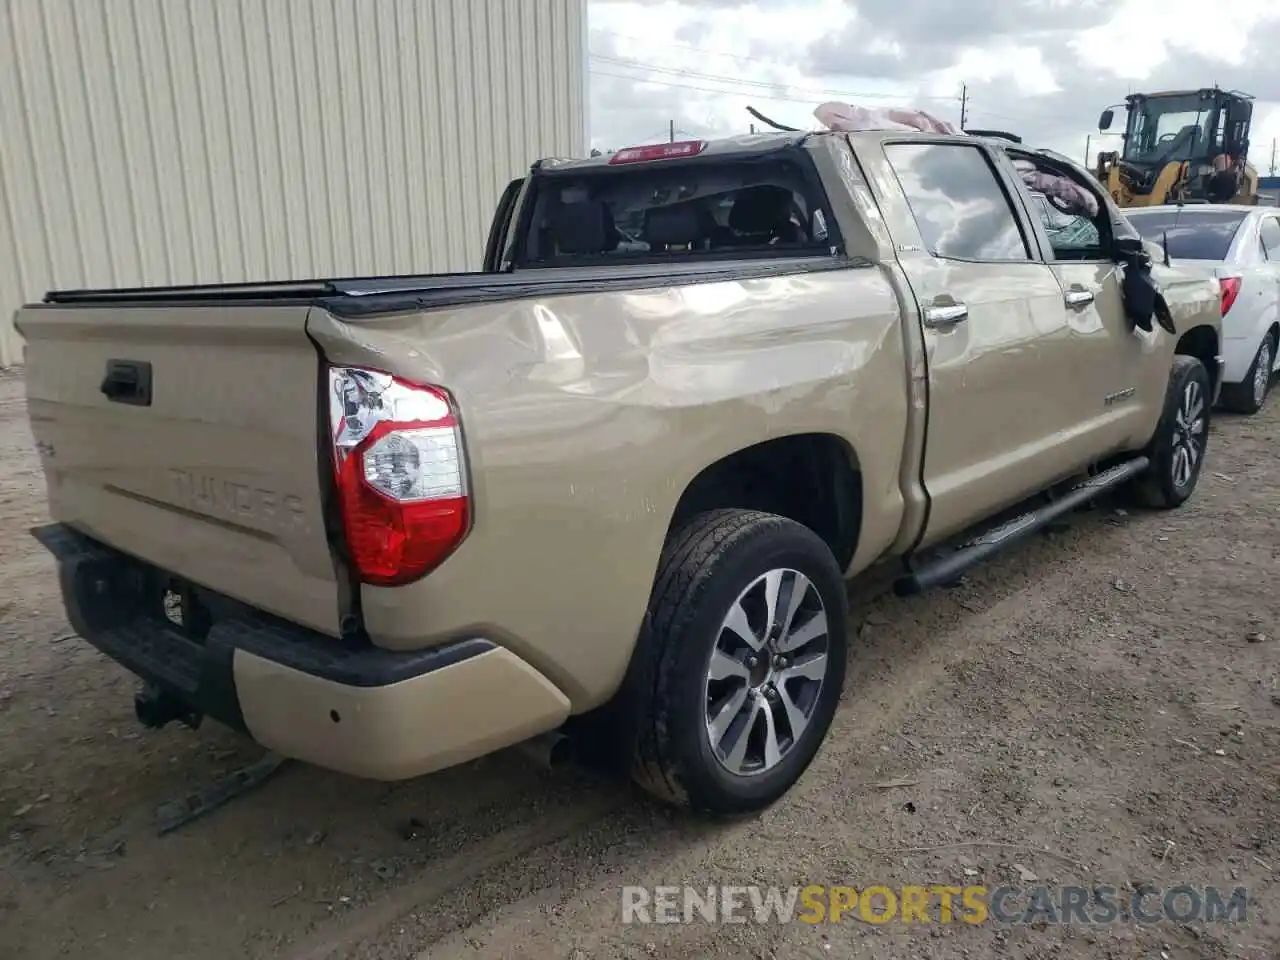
1269,238
1111,405
1269,235
992,314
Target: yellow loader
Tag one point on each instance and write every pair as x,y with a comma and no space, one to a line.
1181,146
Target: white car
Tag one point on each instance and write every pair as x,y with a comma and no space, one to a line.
1240,245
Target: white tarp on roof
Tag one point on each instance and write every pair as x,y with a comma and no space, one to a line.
1065,193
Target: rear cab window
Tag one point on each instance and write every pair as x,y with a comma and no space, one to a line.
727,206
960,206
1192,234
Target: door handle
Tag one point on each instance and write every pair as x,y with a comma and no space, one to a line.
1078,298
944,315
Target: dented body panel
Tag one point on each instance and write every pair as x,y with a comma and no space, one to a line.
587,417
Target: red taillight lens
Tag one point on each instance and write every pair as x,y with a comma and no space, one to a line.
398,459
1230,290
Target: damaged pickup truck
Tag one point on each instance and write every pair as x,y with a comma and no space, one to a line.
621,474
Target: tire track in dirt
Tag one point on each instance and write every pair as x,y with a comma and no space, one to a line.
452,873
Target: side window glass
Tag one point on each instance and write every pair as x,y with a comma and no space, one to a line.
959,205
1271,238
1072,237
1073,234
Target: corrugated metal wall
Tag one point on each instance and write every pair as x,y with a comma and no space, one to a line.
186,141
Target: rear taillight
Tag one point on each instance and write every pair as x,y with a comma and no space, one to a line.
1230,290
398,457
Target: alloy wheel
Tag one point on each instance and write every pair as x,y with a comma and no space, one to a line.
766,672
1189,434
1262,372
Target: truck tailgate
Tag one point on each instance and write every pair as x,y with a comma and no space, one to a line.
213,474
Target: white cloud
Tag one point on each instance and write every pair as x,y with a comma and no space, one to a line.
1043,68
705,62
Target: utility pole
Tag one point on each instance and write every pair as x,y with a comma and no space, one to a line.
673,131
964,105
753,130
1273,158
1087,139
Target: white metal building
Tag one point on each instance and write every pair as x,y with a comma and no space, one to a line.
157,141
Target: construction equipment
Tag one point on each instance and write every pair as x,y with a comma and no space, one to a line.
1181,146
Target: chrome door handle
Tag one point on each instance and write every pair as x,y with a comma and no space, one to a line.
1078,298
945,316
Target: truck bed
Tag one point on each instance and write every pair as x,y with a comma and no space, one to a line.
215,470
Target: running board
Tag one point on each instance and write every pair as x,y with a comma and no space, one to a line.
948,568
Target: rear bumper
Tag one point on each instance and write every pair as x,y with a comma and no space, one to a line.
361,710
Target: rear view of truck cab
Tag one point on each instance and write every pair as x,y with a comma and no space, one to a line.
386,525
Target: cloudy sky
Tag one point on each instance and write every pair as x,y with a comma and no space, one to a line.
1040,68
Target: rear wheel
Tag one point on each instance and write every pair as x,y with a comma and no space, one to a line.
1250,394
1181,439
740,662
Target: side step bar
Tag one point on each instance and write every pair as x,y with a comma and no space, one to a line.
947,568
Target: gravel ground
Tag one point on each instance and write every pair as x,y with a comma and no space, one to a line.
1101,706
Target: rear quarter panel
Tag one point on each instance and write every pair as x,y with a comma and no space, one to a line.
1194,299
1256,310
587,416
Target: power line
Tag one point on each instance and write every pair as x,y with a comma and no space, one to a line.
761,94
678,72
761,84
998,116
663,133
756,94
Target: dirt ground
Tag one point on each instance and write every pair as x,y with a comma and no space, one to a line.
1101,706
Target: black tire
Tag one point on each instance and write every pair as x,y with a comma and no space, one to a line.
705,566
1243,397
1159,488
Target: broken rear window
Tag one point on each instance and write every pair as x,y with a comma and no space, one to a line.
707,209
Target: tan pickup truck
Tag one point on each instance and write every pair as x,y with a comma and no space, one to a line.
619,476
